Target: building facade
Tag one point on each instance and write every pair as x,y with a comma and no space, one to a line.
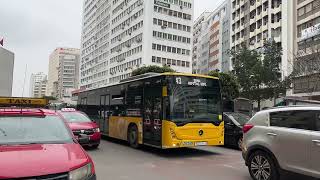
211,40
63,73
6,72
38,85
255,21
119,36
307,62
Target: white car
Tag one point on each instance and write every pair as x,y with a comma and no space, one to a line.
286,138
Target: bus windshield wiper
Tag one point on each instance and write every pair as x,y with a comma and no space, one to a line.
181,123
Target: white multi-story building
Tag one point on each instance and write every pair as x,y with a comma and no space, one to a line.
63,73
307,62
211,40
119,36
255,21
6,72
38,85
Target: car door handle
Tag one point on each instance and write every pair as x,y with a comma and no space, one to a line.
272,134
316,142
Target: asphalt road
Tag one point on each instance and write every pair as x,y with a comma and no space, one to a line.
114,160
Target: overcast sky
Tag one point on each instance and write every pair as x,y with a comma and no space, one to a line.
32,29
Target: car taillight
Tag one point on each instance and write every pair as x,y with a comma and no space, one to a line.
247,128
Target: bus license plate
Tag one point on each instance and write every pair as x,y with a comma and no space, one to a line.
187,144
201,143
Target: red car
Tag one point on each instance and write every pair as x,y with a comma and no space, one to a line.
81,125
37,144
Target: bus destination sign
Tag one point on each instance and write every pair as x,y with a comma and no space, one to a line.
190,82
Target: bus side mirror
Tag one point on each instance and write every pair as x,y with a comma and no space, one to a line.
164,91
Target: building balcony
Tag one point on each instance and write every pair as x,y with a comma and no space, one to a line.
276,9
252,46
258,44
258,3
253,20
276,25
252,6
241,27
259,16
264,13
241,2
252,34
258,30
241,40
277,38
264,27
237,18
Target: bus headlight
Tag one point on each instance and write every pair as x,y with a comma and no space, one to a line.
81,173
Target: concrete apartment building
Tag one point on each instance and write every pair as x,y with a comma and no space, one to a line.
255,21
119,36
211,43
307,63
63,72
6,72
38,85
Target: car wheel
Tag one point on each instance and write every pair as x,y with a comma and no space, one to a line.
133,136
262,167
239,143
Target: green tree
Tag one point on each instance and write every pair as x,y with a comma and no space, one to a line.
229,83
152,68
274,83
259,74
248,68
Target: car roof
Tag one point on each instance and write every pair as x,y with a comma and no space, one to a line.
25,111
290,108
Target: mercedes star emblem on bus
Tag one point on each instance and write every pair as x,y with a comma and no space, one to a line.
201,132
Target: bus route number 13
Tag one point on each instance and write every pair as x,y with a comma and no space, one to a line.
178,80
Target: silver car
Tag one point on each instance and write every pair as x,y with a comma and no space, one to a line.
286,138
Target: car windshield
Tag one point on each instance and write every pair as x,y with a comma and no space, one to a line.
195,100
241,119
33,130
75,117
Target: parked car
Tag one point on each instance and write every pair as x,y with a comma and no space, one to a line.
233,128
38,144
283,139
80,125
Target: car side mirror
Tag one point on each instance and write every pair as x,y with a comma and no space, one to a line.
229,124
83,139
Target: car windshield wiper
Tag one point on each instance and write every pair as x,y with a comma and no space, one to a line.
3,132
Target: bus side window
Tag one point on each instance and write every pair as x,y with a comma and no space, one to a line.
134,100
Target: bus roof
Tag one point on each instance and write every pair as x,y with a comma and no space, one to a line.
150,75
187,74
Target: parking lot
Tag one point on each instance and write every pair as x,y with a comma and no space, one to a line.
116,161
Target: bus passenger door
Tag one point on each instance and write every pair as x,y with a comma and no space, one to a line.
104,114
152,121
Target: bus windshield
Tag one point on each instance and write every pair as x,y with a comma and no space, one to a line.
194,99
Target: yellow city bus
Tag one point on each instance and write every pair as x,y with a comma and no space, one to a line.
168,110
23,102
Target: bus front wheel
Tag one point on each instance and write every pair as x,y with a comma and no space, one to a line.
133,136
